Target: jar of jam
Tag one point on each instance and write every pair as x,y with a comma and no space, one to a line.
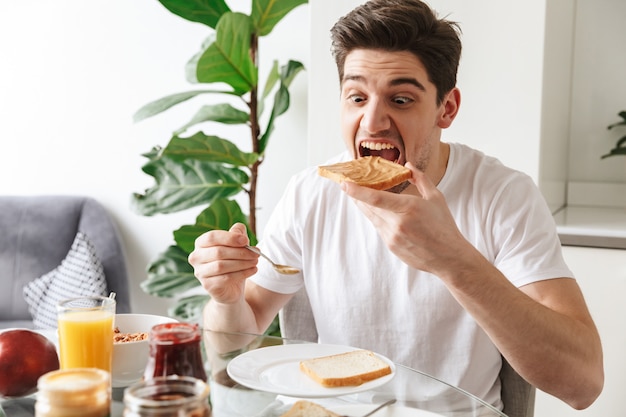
175,349
167,396
77,392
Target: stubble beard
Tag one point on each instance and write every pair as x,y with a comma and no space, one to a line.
420,163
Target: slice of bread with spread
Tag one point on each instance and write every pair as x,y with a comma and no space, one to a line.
345,369
369,171
304,408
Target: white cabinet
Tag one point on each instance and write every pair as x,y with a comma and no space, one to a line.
601,274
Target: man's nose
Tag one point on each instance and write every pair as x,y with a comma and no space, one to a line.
375,117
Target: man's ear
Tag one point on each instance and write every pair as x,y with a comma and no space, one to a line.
450,108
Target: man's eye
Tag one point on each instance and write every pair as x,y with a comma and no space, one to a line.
401,100
356,98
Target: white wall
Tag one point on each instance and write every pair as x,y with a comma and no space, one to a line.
324,133
500,78
557,85
598,90
73,72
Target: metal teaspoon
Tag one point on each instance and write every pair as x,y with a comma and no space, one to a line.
281,269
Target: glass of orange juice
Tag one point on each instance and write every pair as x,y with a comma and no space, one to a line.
86,332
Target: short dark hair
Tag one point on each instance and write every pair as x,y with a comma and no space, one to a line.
401,25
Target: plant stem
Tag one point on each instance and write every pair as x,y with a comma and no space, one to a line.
255,132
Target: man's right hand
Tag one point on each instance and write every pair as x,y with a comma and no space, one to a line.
222,263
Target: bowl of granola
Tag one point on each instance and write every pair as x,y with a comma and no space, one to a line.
131,348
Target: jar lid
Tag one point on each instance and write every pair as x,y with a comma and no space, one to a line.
76,386
174,333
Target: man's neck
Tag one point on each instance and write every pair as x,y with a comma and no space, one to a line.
442,163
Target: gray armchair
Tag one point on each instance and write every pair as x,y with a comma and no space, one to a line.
518,396
36,233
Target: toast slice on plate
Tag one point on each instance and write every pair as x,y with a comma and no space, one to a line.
345,369
304,408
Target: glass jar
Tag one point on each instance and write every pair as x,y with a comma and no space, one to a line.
175,349
167,396
78,392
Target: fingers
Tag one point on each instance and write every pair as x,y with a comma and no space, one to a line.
222,252
423,187
240,229
222,263
226,288
235,237
367,195
219,272
220,259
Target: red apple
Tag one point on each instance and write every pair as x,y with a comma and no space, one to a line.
25,355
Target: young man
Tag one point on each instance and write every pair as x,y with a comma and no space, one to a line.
459,267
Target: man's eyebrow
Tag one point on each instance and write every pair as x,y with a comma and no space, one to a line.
349,77
412,81
393,83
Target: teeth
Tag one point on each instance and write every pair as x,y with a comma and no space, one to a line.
377,146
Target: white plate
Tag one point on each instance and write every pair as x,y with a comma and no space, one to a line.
389,411
276,369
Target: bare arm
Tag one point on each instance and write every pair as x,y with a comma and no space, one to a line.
223,265
543,329
253,314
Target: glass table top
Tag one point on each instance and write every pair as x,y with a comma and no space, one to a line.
269,391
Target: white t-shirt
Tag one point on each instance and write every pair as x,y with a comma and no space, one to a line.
362,295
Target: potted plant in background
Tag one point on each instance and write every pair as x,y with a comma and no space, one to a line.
196,169
620,145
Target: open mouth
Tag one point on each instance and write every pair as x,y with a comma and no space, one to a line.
382,149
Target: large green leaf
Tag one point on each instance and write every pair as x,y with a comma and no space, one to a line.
221,113
164,103
227,59
170,274
202,11
153,153
208,148
619,149
281,104
289,71
274,328
182,184
281,99
267,13
220,215
272,78
621,114
615,152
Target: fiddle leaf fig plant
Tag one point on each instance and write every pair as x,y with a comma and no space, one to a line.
200,169
620,145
